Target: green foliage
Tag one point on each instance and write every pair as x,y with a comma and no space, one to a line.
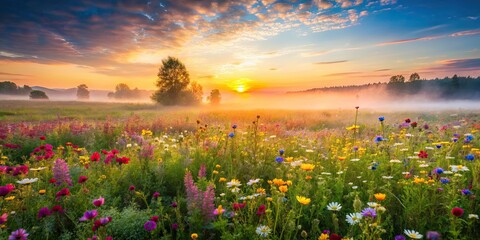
128,223
82,92
37,94
8,87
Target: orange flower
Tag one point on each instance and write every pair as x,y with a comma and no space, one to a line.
307,167
380,196
308,177
283,189
341,158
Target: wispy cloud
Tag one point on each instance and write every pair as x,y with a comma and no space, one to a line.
332,62
14,74
342,74
408,40
324,52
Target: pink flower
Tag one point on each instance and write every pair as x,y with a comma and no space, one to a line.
82,179
88,215
131,188
44,212
62,193
3,218
99,202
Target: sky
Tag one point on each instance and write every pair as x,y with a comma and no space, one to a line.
242,45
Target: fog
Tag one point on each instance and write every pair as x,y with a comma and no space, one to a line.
375,98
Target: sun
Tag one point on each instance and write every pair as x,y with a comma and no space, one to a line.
240,88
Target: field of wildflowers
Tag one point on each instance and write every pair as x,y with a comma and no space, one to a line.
350,174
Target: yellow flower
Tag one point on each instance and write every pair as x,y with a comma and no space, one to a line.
307,167
423,172
380,196
10,198
278,182
222,179
353,127
289,183
194,236
324,236
147,132
269,199
215,172
218,166
303,200
341,158
261,190
283,189
41,192
418,180
289,159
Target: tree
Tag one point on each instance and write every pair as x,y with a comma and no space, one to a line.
214,97
397,79
172,83
37,94
414,77
82,92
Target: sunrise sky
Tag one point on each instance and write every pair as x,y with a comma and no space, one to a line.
243,45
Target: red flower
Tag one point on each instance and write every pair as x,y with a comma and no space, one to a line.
154,218
335,237
95,157
57,208
238,206
52,180
457,212
422,154
407,120
413,124
43,138
261,210
62,193
122,160
131,188
82,179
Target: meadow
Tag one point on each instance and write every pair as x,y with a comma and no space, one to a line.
73,170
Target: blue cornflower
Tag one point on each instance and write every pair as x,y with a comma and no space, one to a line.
231,134
378,139
279,159
281,151
381,119
438,170
466,192
444,180
470,157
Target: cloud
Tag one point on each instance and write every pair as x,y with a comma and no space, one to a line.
324,52
383,70
13,74
332,62
342,74
408,40
466,64
465,33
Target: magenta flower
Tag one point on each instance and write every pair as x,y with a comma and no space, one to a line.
156,194
82,179
131,188
61,172
88,215
19,234
99,202
3,218
44,212
150,225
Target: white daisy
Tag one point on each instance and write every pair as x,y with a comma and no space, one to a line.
334,206
253,181
373,204
234,183
37,169
263,230
413,234
354,218
27,181
471,216
395,161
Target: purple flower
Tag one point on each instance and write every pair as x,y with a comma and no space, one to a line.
432,235
466,192
156,194
175,226
400,237
61,172
88,215
99,202
44,212
369,212
105,220
202,172
19,234
150,225
174,204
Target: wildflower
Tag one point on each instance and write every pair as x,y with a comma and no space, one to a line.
131,188
231,135
27,181
150,225
238,206
234,183
222,179
3,218
261,191
95,157
380,196
261,210
423,154
307,167
19,234
174,204
369,212
400,237
253,181
99,202
61,172
353,127
194,236
234,126
9,198
432,235
156,195
44,212
438,170
279,159
219,210
334,206
378,139
323,236
381,119
413,234
174,226
4,190
470,216
470,157
283,189
82,179
88,215
466,192
263,230
281,152
354,218
457,212
303,200
202,172
62,193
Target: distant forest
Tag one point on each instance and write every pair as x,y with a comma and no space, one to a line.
11,88
447,88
